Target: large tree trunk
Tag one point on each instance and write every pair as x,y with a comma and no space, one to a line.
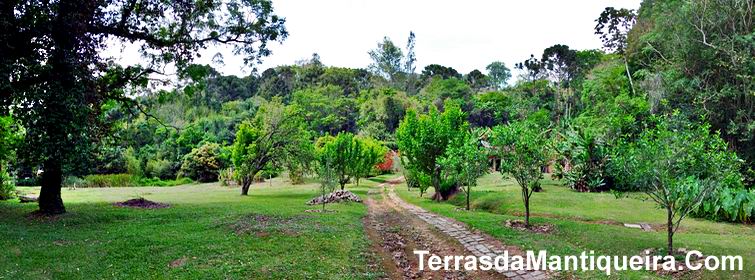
245,183
50,202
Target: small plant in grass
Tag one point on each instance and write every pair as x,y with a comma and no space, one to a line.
466,160
522,148
328,179
678,164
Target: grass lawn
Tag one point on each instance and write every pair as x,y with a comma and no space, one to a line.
209,232
587,221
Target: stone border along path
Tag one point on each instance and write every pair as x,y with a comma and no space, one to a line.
473,242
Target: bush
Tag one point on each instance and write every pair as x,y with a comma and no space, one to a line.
160,168
156,182
122,180
73,181
28,182
7,188
202,164
110,181
227,177
728,204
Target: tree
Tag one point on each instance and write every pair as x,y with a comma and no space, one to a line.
678,164
52,55
202,163
522,148
477,80
277,82
532,69
613,26
698,56
328,178
560,63
274,134
438,90
466,160
435,70
410,65
490,109
327,110
369,153
381,112
424,138
339,153
499,74
387,61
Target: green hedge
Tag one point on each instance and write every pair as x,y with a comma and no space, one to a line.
121,180
109,181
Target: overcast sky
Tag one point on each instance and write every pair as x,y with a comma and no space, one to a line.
465,35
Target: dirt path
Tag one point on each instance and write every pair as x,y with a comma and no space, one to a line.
396,233
397,228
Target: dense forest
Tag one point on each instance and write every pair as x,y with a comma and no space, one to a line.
685,66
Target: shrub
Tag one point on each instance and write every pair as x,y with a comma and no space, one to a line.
202,164
227,177
7,188
110,181
160,168
386,166
156,182
586,154
27,181
73,181
728,204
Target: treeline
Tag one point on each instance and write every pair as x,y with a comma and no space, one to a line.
592,105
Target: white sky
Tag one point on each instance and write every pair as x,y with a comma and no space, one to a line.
465,35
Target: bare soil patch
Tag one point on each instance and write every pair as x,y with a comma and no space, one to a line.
319,211
264,225
141,203
536,228
177,262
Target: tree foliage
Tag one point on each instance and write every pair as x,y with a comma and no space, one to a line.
678,164
424,138
523,150
499,74
272,136
202,164
466,160
349,157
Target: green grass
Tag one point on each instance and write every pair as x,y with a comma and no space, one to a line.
98,240
578,217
